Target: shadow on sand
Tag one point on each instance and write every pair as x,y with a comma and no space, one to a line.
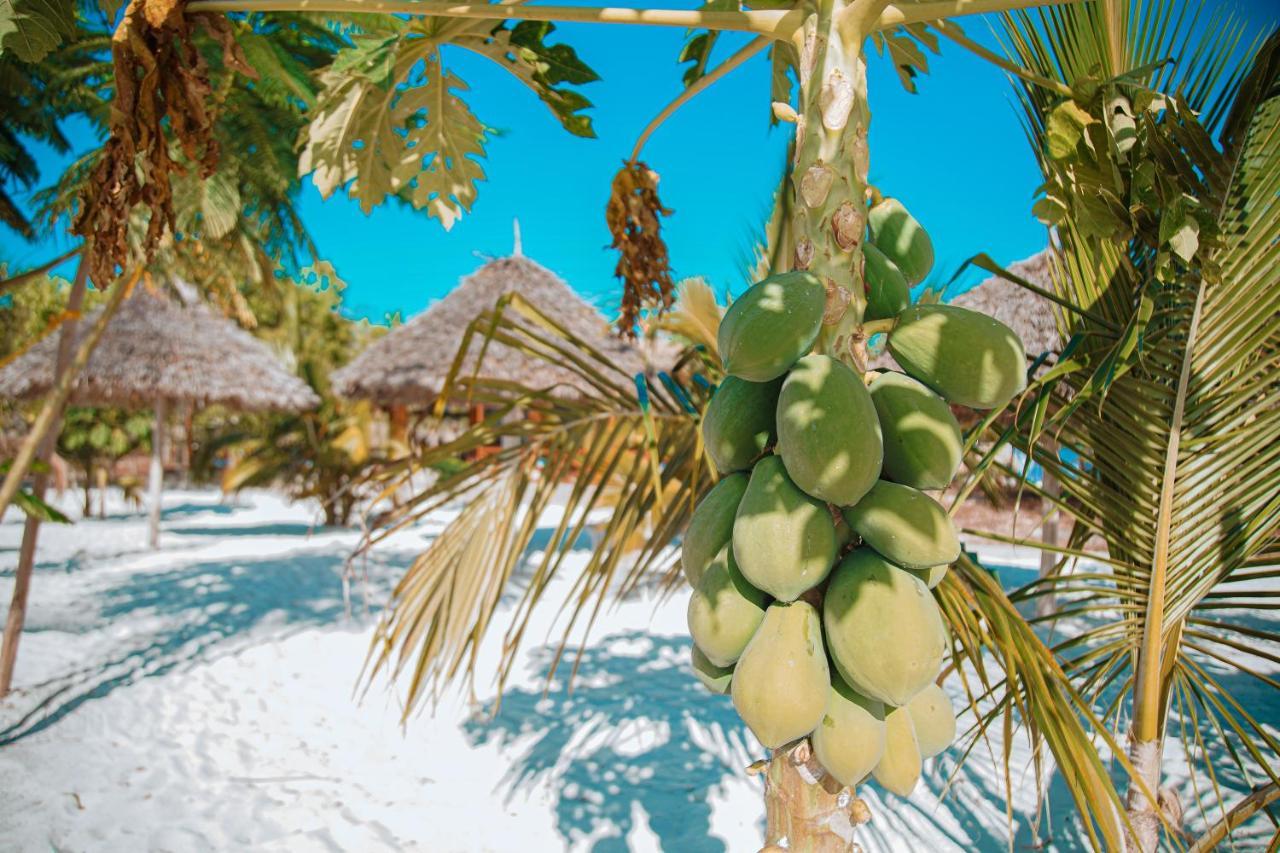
197,609
622,737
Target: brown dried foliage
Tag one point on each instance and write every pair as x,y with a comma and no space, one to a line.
159,74
634,216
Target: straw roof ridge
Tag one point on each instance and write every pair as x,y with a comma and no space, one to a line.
409,365
158,350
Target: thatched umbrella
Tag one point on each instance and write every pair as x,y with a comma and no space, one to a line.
156,353
408,367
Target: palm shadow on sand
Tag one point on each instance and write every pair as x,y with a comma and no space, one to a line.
622,737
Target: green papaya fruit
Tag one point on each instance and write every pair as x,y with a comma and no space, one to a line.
933,720
714,678
905,526
724,610
771,325
710,526
931,576
739,422
884,630
783,540
828,432
895,232
849,742
781,682
886,286
967,357
899,767
922,441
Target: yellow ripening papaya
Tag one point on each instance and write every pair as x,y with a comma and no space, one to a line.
967,357
828,431
849,742
714,678
933,720
903,240
781,681
884,630
899,768
770,326
724,610
783,540
886,286
922,441
905,526
710,526
739,422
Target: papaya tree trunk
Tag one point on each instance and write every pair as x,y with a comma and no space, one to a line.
31,529
806,810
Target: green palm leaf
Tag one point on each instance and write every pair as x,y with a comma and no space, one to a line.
1163,401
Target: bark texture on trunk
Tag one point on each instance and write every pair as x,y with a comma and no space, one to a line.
805,809
31,529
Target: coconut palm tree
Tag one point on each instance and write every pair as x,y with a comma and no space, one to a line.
1164,399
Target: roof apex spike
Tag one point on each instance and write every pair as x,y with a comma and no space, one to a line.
517,250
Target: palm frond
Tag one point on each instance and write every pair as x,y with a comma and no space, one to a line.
619,460
1159,417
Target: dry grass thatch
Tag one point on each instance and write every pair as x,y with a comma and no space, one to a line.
410,364
156,350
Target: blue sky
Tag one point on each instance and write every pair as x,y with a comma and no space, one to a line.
955,154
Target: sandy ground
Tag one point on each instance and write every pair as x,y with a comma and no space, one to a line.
201,698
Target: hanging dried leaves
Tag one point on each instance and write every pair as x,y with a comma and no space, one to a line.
634,216
159,75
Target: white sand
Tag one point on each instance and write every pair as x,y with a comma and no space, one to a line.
200,698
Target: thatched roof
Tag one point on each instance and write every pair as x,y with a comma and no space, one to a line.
1029,315
156,350
409,365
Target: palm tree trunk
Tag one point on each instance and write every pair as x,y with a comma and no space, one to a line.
806,810
31,530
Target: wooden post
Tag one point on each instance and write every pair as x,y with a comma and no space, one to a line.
1047,603
155,481
31,530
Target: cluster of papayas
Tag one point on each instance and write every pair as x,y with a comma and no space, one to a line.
812,559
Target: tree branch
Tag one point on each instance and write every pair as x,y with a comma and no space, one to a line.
953,32
779,24
932,10
20,278
748,50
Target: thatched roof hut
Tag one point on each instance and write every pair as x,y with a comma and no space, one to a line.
155,350
409,365
155,353
1030,315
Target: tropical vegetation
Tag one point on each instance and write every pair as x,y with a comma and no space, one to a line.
1155,126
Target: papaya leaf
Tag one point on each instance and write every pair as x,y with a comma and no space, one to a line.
698,44
33,28
544,68
906,46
